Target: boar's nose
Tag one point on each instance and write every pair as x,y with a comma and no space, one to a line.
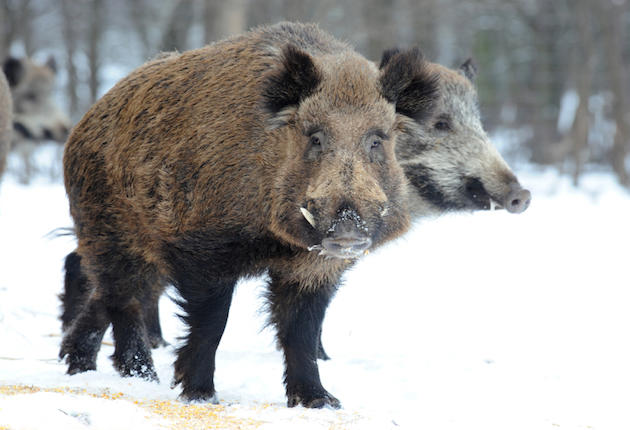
518,199
347,237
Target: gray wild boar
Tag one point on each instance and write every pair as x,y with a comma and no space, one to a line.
36,116
449,159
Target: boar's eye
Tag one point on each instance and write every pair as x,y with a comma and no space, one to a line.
316,144
442,124
374,145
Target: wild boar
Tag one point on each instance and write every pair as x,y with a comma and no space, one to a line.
36,116
270,152
449,159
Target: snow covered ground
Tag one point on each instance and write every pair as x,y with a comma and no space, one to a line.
473,321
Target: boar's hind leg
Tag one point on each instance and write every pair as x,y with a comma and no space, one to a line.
206,305
297,315
82,340
76,289
126,309
116,298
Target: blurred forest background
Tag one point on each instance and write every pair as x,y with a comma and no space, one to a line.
553,75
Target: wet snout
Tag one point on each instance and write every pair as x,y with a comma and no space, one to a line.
518,199
347,236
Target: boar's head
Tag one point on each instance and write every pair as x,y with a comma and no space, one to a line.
36,116
339,189
448,158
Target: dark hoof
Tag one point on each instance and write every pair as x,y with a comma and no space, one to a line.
314,400
198,397
76,363
136,367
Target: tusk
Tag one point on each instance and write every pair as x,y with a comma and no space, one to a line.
493,205
384,211
308,216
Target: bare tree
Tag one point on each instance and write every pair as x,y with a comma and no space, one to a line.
584,58
137,13
97,17
70,41
612,14
223,19
175,37
26,26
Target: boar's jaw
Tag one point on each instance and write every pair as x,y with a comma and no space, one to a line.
347,237
516,200
478,197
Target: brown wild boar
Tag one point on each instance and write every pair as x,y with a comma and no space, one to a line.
6,123
270,151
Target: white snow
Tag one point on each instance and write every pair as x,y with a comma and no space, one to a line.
568,108
473,321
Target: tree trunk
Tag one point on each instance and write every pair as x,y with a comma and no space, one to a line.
70,38
222,19
94,41
612,13
26,27
176,33
584,63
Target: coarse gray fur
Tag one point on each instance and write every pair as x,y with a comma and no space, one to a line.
449,159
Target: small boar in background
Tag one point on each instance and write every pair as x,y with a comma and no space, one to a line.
270,152
36,116
6,122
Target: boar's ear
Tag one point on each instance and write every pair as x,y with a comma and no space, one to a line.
469,69
387,55
408,84
295,79
14,70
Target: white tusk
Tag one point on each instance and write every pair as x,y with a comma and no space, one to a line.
308,216
493,205
384,211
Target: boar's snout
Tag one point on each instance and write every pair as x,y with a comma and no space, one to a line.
518,199
347,237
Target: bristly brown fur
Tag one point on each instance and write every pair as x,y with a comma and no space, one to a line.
175,177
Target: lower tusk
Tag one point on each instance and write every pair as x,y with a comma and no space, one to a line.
493,205
308,216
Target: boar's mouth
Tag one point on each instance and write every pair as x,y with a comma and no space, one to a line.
517,200
346,238
478,197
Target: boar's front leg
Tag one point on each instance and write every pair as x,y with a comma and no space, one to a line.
298,313
207,305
